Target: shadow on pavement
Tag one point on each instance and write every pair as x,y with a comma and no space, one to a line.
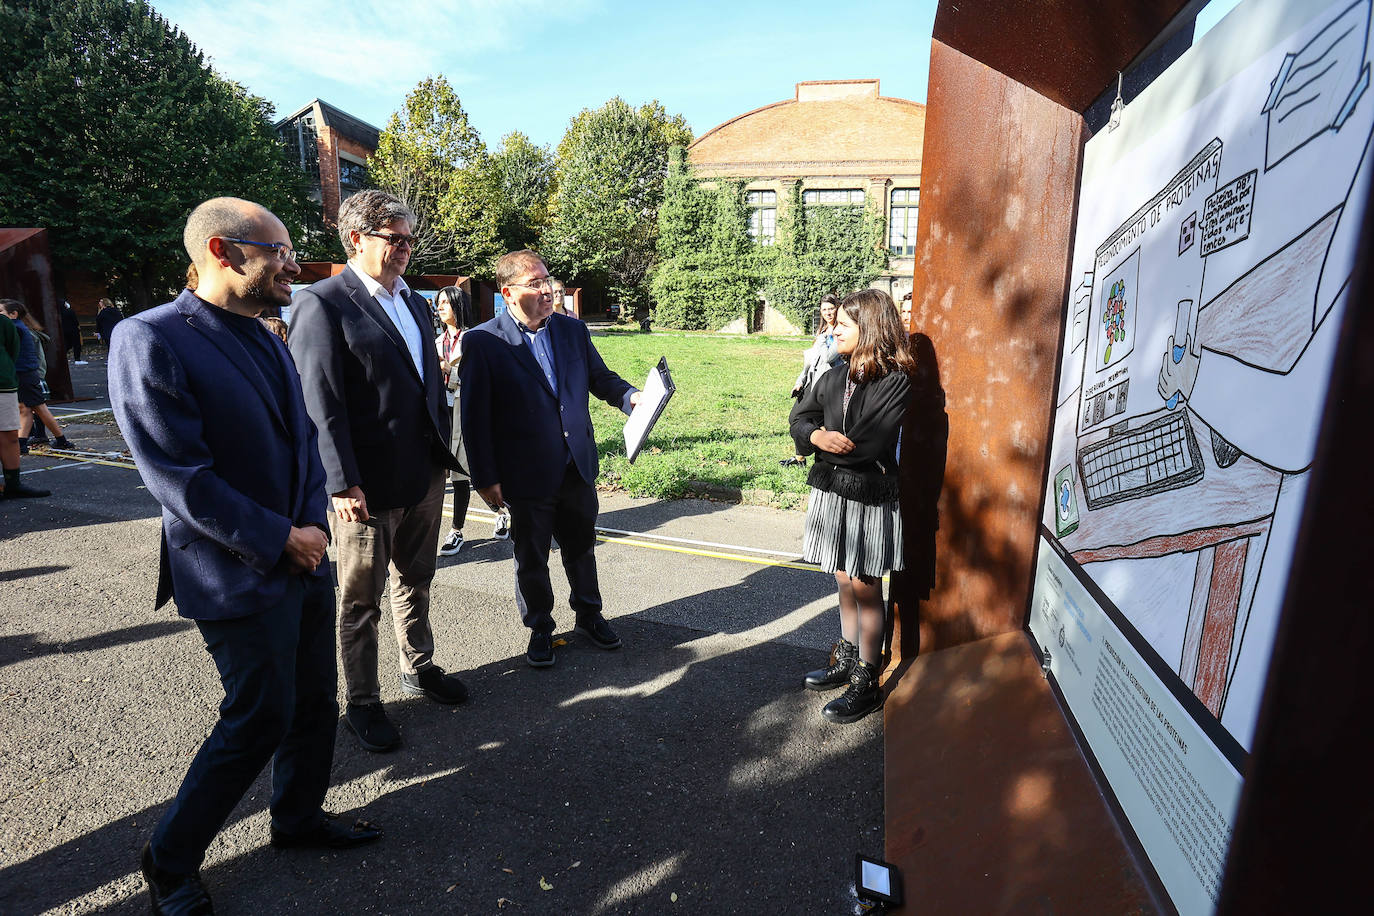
687,763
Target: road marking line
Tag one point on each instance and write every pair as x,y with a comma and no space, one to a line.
54,467
77,413
634,539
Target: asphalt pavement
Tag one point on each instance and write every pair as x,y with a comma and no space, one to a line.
687,772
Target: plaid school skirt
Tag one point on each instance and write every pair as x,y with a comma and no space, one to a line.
846,534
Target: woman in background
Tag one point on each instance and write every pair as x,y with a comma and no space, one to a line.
32,368
455,316
850,418
817,360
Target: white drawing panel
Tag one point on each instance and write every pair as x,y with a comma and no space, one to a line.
1224,216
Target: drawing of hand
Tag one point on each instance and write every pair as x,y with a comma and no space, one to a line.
1178,373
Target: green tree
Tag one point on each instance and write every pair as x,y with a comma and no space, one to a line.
431,157
609,175
115,129
523,176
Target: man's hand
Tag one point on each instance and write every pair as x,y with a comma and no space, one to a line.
634,399
305,548
351,505
828,440
492,496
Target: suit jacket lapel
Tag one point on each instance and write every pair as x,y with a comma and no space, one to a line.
524,355
205,318
370,307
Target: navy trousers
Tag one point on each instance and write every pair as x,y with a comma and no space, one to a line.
570,516
280,682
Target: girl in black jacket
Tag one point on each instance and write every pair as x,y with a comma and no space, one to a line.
850,419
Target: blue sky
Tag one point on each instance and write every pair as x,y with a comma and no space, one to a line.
530,65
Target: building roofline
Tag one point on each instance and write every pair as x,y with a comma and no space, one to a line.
794,101
333,117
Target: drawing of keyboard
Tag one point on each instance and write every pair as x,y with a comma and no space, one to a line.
1162,455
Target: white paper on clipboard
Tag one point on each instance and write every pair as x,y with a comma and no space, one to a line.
658,389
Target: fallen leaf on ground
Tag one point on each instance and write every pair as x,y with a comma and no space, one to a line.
673,896
560,642
509,871
544,885
449,889
575,864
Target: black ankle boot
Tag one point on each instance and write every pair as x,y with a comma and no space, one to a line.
862,697
841,665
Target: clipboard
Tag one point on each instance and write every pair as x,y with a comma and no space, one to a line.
657,391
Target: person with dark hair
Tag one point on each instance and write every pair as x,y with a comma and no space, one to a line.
106,319
851,418
273,324
210,405
362,341
12,487
817,359
455,316
32,367
71,333
528,375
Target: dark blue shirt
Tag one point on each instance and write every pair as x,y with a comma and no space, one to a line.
28,350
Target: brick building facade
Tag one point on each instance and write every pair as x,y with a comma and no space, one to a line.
332,147
844,143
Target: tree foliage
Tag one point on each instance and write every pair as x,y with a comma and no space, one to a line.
431,157
609,173
115,128
709,271
523,176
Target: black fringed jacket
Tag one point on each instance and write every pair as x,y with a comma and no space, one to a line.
869,473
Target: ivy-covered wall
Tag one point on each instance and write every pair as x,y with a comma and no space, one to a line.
710,272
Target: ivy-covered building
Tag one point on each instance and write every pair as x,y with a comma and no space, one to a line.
845,156
332,147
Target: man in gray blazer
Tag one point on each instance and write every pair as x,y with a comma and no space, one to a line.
363,342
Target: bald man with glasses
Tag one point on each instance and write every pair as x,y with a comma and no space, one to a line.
210,405
363,343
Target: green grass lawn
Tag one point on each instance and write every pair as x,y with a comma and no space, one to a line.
724,430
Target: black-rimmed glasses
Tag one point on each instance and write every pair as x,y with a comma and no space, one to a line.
392,239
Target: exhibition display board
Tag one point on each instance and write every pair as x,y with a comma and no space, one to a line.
1213,253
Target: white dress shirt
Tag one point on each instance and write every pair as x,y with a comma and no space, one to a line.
393,302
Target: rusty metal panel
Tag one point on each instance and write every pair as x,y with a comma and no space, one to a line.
1066,50
989,806
996,221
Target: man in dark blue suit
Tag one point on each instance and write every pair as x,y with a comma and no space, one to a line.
526,376
211,408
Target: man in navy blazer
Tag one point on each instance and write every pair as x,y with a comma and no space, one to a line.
210,405
526,376
364,344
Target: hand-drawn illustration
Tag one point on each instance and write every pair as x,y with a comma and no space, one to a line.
1190,399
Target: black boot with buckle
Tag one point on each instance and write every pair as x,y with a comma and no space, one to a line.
842,661
863,696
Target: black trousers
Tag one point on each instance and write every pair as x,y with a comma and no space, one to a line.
280,683
570,516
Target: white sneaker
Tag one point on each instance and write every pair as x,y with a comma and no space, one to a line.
502,532
452,544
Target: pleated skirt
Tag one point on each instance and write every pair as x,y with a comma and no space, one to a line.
846,534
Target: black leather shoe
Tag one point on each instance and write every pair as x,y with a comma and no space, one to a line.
540,652
174,894
328,834
599,632
435,684
841,666
374,730
863,696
